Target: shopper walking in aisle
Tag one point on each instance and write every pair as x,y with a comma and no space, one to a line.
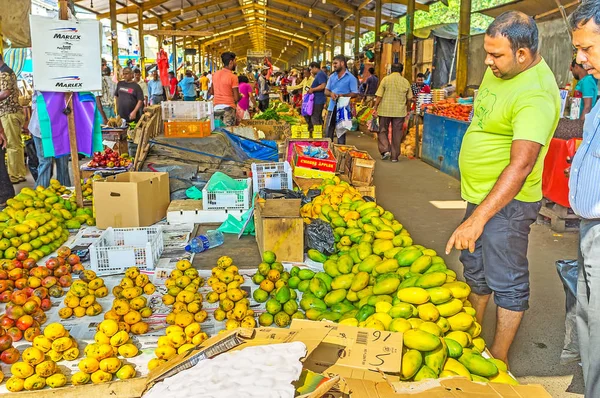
263,90
246,98
156,91
371,85
225,90
45,164
173,86
587,85
137,77
107,99
188,86
130,98
501,162
318,89
341,83
7,190
204,86
12,119
391,102
585,201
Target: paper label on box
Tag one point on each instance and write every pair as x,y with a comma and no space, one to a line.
121,258
135,238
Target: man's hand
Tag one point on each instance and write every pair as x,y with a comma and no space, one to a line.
375,112
465,236
132,115
310,91
334,96
3,140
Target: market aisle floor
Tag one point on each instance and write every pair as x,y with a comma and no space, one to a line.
407,188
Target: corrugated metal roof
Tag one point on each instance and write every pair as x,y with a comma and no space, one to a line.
540,10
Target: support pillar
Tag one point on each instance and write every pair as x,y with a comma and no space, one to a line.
115,40
141,41
174,52
343,37
464,30
356,34
410,38
332,43
378,66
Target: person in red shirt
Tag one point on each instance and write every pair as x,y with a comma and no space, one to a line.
173,85
284,83
419,86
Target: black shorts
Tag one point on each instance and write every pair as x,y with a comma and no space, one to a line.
499,264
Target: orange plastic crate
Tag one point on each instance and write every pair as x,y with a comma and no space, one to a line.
187,129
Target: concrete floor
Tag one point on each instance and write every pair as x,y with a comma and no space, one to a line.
406,189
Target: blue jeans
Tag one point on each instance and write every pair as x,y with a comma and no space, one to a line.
588,304
45,167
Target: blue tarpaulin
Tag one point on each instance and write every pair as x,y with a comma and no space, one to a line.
262,150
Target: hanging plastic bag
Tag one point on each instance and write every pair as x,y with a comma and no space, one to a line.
344,116
318,235
567,272
374,127
308,103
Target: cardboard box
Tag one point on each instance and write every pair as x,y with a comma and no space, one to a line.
280,229
301,160
134,199
273,129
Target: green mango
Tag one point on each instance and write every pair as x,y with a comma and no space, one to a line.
386,286
334,297
325,278
318,287
282,294
306,274
360,281
312,302
316,256
331,268
345,264
342,281
365,312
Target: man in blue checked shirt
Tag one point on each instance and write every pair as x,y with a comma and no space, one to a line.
341,83
584,195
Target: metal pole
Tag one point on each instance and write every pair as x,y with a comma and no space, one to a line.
174,52
343,37
378,64
464,30
332,43
410,36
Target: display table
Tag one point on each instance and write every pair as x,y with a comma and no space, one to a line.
555,183
442,138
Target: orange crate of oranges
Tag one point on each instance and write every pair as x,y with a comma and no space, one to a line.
188,129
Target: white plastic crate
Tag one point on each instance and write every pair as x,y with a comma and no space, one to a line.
120,248
186,110
271,176
227,200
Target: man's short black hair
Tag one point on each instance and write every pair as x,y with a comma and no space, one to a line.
520,30
137,71
421,75
243,79
315,65
227,57
397,68
587,11
340,57
372,70
205,74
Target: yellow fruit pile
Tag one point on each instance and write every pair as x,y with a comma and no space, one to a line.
130,307
87,186
333,194
184,331
226,285
38,368
101,362
80,300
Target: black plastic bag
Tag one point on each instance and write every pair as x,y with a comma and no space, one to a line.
318,235
266,193
567,272
310,195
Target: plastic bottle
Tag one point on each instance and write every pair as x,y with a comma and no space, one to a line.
202,243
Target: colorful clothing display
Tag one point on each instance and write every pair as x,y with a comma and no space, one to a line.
54,124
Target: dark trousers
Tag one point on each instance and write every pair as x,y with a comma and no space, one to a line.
331,122
7,190
382,136
316,119
263,104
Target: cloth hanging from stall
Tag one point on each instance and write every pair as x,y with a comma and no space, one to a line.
444,60
162,62
15,58
54,124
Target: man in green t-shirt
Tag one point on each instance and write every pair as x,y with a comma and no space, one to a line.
501,162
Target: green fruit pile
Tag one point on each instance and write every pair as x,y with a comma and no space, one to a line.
281,305
379,279
37,221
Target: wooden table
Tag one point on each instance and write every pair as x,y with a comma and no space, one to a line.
243,251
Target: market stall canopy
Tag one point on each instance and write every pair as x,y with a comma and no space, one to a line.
540,10
241,25
15,23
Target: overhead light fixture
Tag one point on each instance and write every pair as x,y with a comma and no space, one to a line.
310,12
181,11
324,1
301,25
